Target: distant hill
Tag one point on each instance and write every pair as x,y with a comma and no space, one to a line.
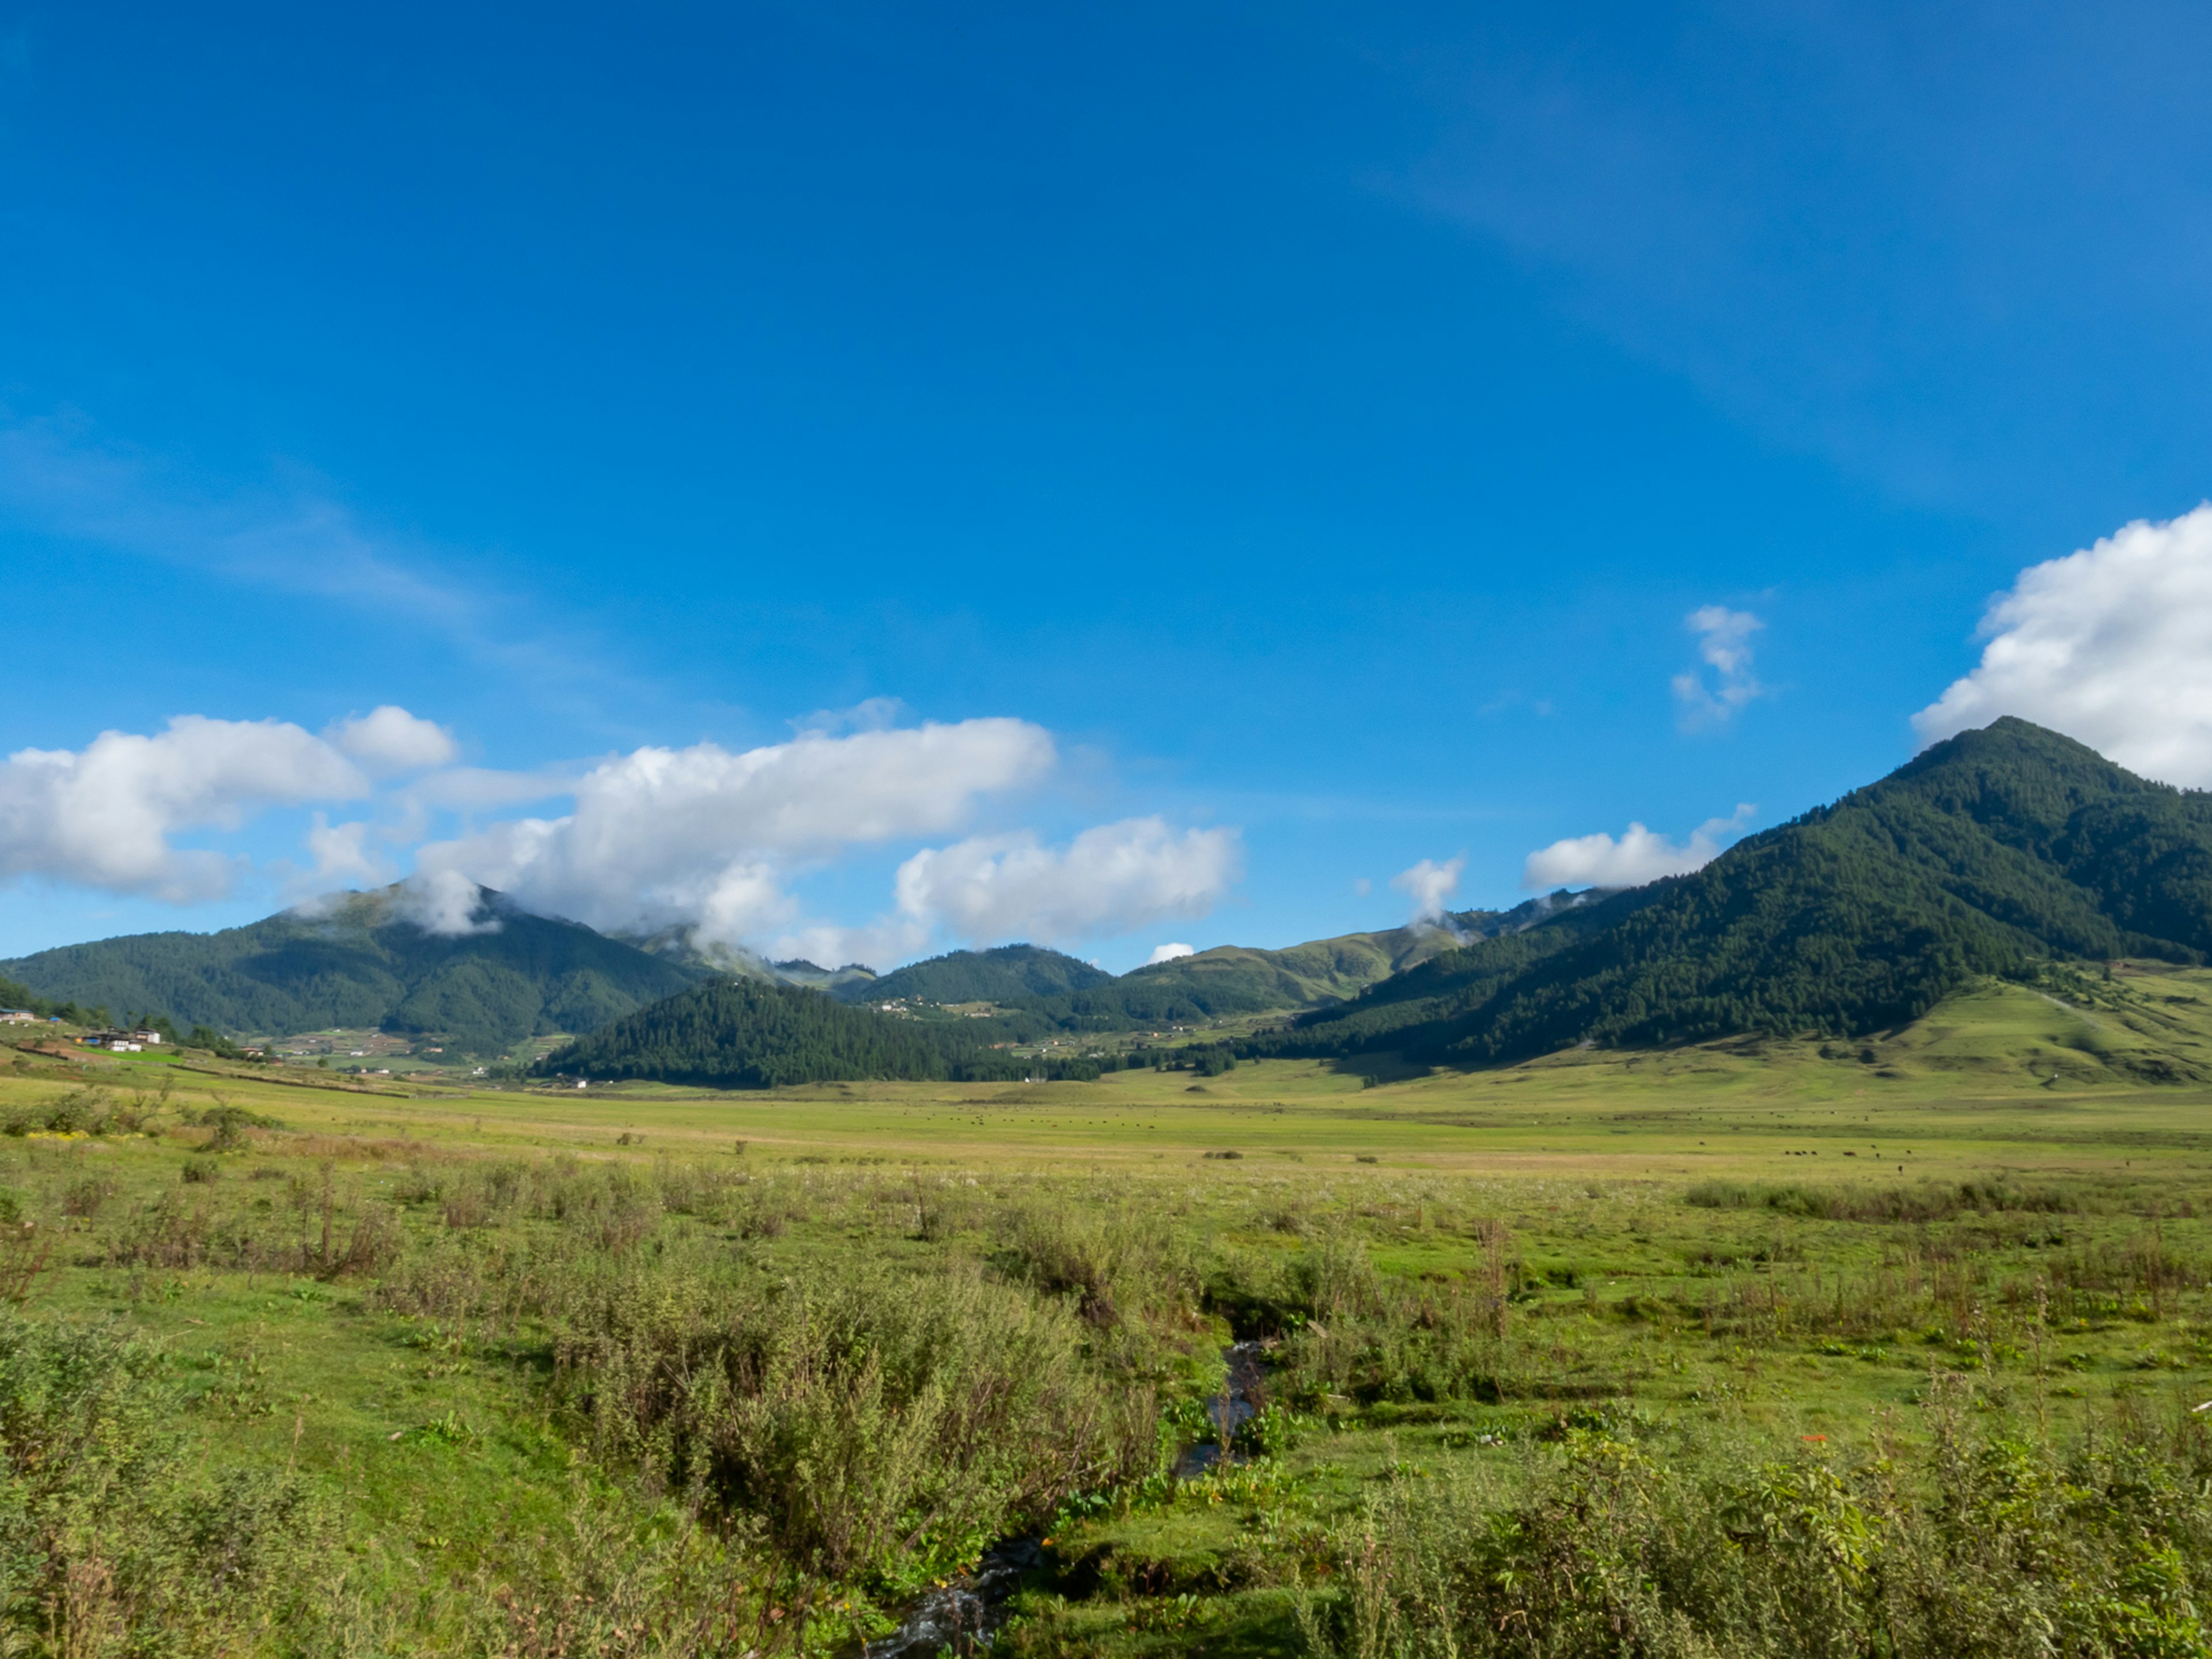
682,945
1005,975
749,1034
1233,981
1990,854
366,965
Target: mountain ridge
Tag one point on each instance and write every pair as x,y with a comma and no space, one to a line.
367,962
1987,854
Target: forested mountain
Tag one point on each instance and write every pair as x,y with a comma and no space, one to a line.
748,1034
1004,976
1235,980
1990,852
707,958
366,964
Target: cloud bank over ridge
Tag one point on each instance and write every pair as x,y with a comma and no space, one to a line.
703,838
1638,856
2112,645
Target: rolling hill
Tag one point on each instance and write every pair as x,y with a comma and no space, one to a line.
1995,853
366,964
1008,973
1233,980
736,1033
1036,990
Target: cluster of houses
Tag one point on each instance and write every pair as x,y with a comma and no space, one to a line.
121,1042
25,1016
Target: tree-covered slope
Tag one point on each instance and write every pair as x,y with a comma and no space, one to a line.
366,964
1990,852
1234,980
1004,974
749,1034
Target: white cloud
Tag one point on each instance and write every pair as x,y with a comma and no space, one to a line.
1639,856
342,856
390,739
104,816
885,940
1429,884
1109,880
1724,643
2111,646
707,837
1168,953
443,901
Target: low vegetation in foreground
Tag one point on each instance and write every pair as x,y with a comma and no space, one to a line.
1576,1359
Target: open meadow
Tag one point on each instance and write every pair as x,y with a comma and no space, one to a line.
1753,1347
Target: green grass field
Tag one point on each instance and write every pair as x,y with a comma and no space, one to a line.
418,1306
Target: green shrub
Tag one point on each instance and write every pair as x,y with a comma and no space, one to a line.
1992,1546
109,1539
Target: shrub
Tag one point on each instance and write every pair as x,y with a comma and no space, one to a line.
109,1540
878,1427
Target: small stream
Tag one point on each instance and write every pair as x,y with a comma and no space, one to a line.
966,1613
1243,1397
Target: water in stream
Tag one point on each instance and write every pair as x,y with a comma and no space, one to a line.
966,1613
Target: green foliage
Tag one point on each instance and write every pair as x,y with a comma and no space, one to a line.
109,1539
1925,1201
1990,854
15,995
367,964
882,1427
1994,1546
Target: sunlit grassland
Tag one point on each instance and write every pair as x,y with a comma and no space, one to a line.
2003,1074
1731,1257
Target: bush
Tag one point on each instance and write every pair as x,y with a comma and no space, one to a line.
878,1428
109,1540
2010,1547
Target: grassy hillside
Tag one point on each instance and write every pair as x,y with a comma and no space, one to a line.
366,964
1992,853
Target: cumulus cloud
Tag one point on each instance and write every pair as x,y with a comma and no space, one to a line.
1637,857
705,836
1168,953
342,855
444,902
1429,884
2112,645
1724,643
390,739
1109,880
104,816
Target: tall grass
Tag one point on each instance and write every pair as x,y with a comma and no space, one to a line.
1995,1545
797,1393
111,1538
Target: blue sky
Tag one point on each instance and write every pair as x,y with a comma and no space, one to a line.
1316,427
